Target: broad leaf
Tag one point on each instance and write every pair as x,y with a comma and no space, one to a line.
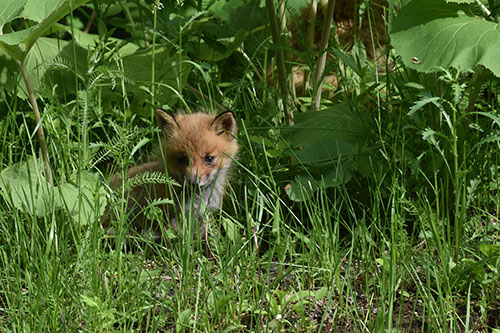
429,34
239,14
218,49
26,189
14,51
304,186
169,74
327,142
85,203
37,10
221,39
10,10
53,14
50,61
46,12
324,136
10,43
22,186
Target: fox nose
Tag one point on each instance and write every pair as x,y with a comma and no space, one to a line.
198,179
192,175
194,178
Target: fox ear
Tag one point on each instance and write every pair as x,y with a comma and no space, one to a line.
225,122
166,121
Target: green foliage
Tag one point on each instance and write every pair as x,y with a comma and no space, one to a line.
51,62
150,178
44,14
378,212
22,186
327,144
434,34
171,74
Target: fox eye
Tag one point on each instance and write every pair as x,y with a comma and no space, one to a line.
209,159
181,160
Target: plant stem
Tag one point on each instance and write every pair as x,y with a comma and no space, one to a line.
477,81
458,185
206,98
313,8
325,37
280,57
36,111
156,7
90,22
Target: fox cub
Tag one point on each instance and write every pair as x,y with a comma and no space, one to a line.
198,150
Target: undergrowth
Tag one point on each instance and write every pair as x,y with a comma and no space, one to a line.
377,212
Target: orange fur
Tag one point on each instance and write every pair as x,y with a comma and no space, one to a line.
196,136
198,150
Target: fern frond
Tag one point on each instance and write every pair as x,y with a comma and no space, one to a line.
159,201
151,177
102,74
61,63
102,153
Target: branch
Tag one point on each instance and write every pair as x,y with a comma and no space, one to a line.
313,8
325,37
282,75
36,111
206,98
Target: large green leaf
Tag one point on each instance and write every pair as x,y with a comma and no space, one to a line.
52,13
12,49
85,203
236,21
171,74
46,13
10,10
429,34
327,142
217,49
239,14
302,187
37,10
50,61
23,187
322,136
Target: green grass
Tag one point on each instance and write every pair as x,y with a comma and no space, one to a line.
410,243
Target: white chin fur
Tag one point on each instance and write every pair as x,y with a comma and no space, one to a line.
210,178
204,181
195,180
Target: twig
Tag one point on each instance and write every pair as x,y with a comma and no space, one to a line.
477,81
36,111
90,22
254,237
313,8
325,37
247,58
206,98
483,8
282,75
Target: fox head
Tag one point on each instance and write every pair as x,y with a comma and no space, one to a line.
199,147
